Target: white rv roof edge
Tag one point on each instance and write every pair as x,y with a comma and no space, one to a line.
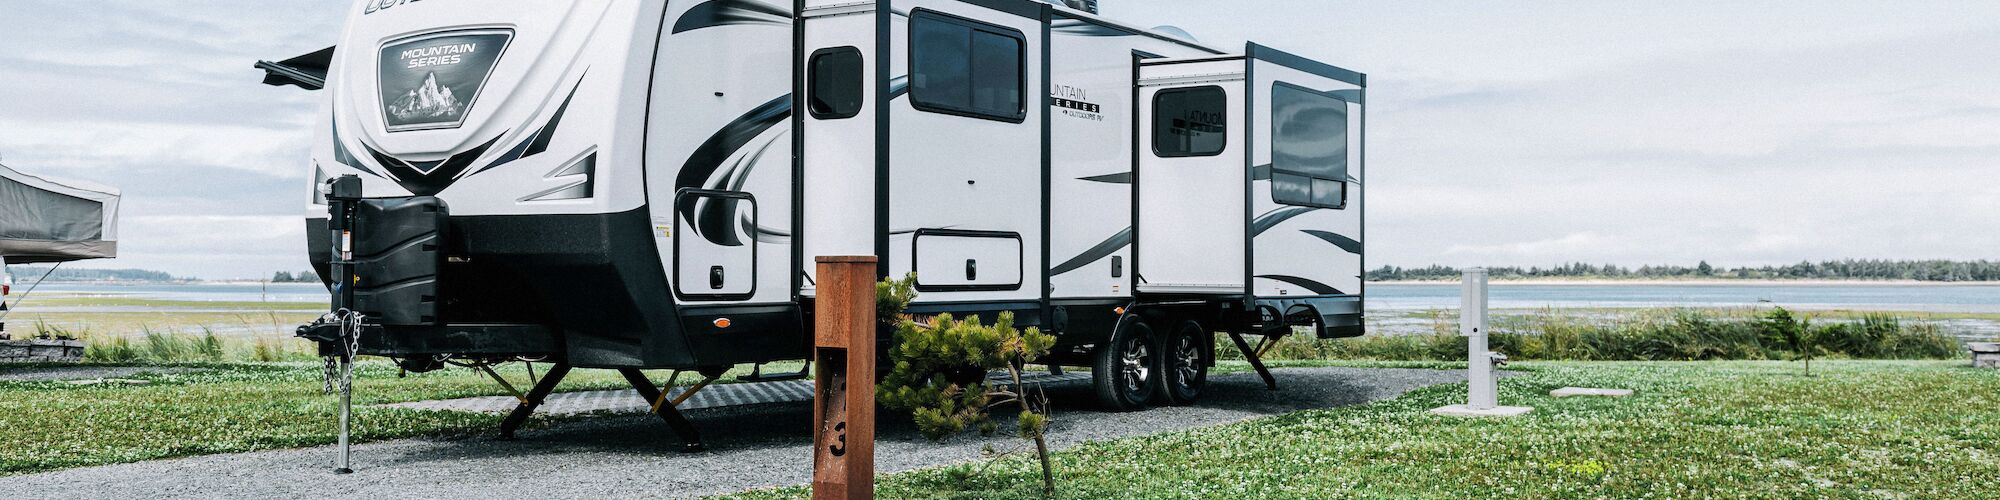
1113,23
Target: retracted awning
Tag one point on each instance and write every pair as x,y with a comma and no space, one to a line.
306,71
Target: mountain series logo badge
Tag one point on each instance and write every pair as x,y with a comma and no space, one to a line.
432,81
427,101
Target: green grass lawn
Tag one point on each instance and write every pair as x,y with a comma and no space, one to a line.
242,407
1856,429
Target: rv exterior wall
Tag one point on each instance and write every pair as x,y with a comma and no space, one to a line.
719,130
1092,145
975,173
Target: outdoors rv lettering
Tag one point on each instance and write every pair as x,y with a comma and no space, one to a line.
443,55
1072,101
380,5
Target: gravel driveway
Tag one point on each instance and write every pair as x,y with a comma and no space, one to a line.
627,457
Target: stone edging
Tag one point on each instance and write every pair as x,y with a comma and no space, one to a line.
40,351
1985,354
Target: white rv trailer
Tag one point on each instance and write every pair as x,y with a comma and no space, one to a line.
643,184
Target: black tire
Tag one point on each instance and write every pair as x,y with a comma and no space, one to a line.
1184,360
1125,367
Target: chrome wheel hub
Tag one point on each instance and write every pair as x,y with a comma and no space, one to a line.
1136,364
1187,359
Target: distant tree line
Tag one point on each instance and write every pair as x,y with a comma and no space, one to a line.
30,273
306,276
1855,269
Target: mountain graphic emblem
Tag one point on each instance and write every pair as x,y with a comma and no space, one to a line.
433,81
427,102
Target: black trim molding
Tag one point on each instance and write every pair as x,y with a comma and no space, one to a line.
1294,61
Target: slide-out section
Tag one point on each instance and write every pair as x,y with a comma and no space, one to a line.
1191,177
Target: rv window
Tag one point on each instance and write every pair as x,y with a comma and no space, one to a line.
966,68
1308,148
1190,122
835,81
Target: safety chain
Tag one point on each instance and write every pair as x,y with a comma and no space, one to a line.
350,338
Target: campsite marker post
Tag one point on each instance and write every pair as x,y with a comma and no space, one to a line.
844,389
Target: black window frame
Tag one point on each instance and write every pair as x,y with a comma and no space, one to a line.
1020,114
813,81
1154,132
1277,174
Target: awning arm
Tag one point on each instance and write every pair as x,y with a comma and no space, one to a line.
306,71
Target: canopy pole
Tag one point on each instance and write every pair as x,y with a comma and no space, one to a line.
4,311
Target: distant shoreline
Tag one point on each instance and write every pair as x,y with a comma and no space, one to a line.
1696,282
1496,281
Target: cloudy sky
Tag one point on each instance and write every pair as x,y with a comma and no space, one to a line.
1501,132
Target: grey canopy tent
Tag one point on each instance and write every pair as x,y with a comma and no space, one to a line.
49,220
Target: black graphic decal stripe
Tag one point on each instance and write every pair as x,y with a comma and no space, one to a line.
1118,178
1080,28
343,156
1263,173
1313,286
1109,246
434,177
712,219
712,214
714,13
1345,243
708,159
539,142
740,174
1273,218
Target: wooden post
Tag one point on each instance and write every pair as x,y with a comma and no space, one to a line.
844,394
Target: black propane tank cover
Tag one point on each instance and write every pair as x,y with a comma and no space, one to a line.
399,251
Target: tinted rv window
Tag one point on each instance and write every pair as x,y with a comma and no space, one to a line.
966,68
1190,122
1308,148
835,80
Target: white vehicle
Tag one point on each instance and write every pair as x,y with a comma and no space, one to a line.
641,184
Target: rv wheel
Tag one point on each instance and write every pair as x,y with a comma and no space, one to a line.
1126,366
1185,363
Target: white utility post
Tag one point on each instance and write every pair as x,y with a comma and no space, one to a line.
1472,324
1484,398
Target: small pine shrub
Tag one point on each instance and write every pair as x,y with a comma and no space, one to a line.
939,376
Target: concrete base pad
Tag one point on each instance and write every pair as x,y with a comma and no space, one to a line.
1497,411
1586,391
